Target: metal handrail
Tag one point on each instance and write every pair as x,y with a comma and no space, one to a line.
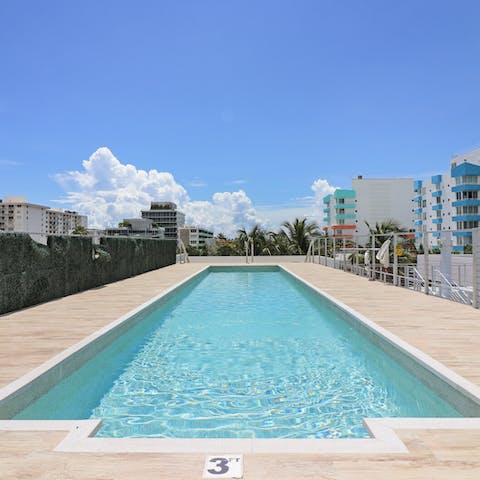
310,257
249,250
183,252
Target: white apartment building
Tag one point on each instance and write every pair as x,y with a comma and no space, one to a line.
64,222
17,215
165,215
370,200
449,202
196,236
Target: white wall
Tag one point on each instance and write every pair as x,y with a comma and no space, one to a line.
379,199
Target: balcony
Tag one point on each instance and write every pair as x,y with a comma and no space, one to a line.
466,188
466,218
343,227
466,203
342,193
344,205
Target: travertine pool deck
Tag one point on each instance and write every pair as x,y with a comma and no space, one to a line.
447,331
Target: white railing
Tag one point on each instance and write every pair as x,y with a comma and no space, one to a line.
449,289
438,275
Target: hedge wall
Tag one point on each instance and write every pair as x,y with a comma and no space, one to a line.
32,273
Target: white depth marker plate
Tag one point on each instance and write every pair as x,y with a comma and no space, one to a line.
223,466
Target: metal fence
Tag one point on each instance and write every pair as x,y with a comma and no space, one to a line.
393,258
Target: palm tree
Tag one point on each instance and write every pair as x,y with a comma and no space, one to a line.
259,238
299,234
383,231
278,243
80,230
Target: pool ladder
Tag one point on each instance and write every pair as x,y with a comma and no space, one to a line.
183,258
249,250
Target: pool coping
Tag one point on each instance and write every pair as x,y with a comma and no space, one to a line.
80,436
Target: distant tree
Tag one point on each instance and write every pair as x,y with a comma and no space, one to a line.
259,237
80,230
123,224
383,230
205,251
222,237
279,243
192,251
227,249
299,234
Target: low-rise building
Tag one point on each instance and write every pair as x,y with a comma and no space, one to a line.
196,236
137,227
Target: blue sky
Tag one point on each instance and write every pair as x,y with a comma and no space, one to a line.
262,96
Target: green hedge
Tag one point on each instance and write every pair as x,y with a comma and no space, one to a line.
32,273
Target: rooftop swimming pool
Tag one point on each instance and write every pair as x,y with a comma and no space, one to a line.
241,352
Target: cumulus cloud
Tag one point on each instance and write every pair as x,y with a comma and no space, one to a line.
321,188
107,191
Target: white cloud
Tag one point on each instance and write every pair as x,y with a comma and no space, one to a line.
228,212
197,183
107,191
308,206
10,163
236,182
321,188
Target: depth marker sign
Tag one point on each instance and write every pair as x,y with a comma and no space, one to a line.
223,466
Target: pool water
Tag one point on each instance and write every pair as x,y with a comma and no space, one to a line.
240,354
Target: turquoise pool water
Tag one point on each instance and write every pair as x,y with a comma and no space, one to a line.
240,353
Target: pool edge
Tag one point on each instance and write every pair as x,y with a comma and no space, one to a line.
79,437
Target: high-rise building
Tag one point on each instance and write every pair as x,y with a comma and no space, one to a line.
449,202
166,215
370,200
17,215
